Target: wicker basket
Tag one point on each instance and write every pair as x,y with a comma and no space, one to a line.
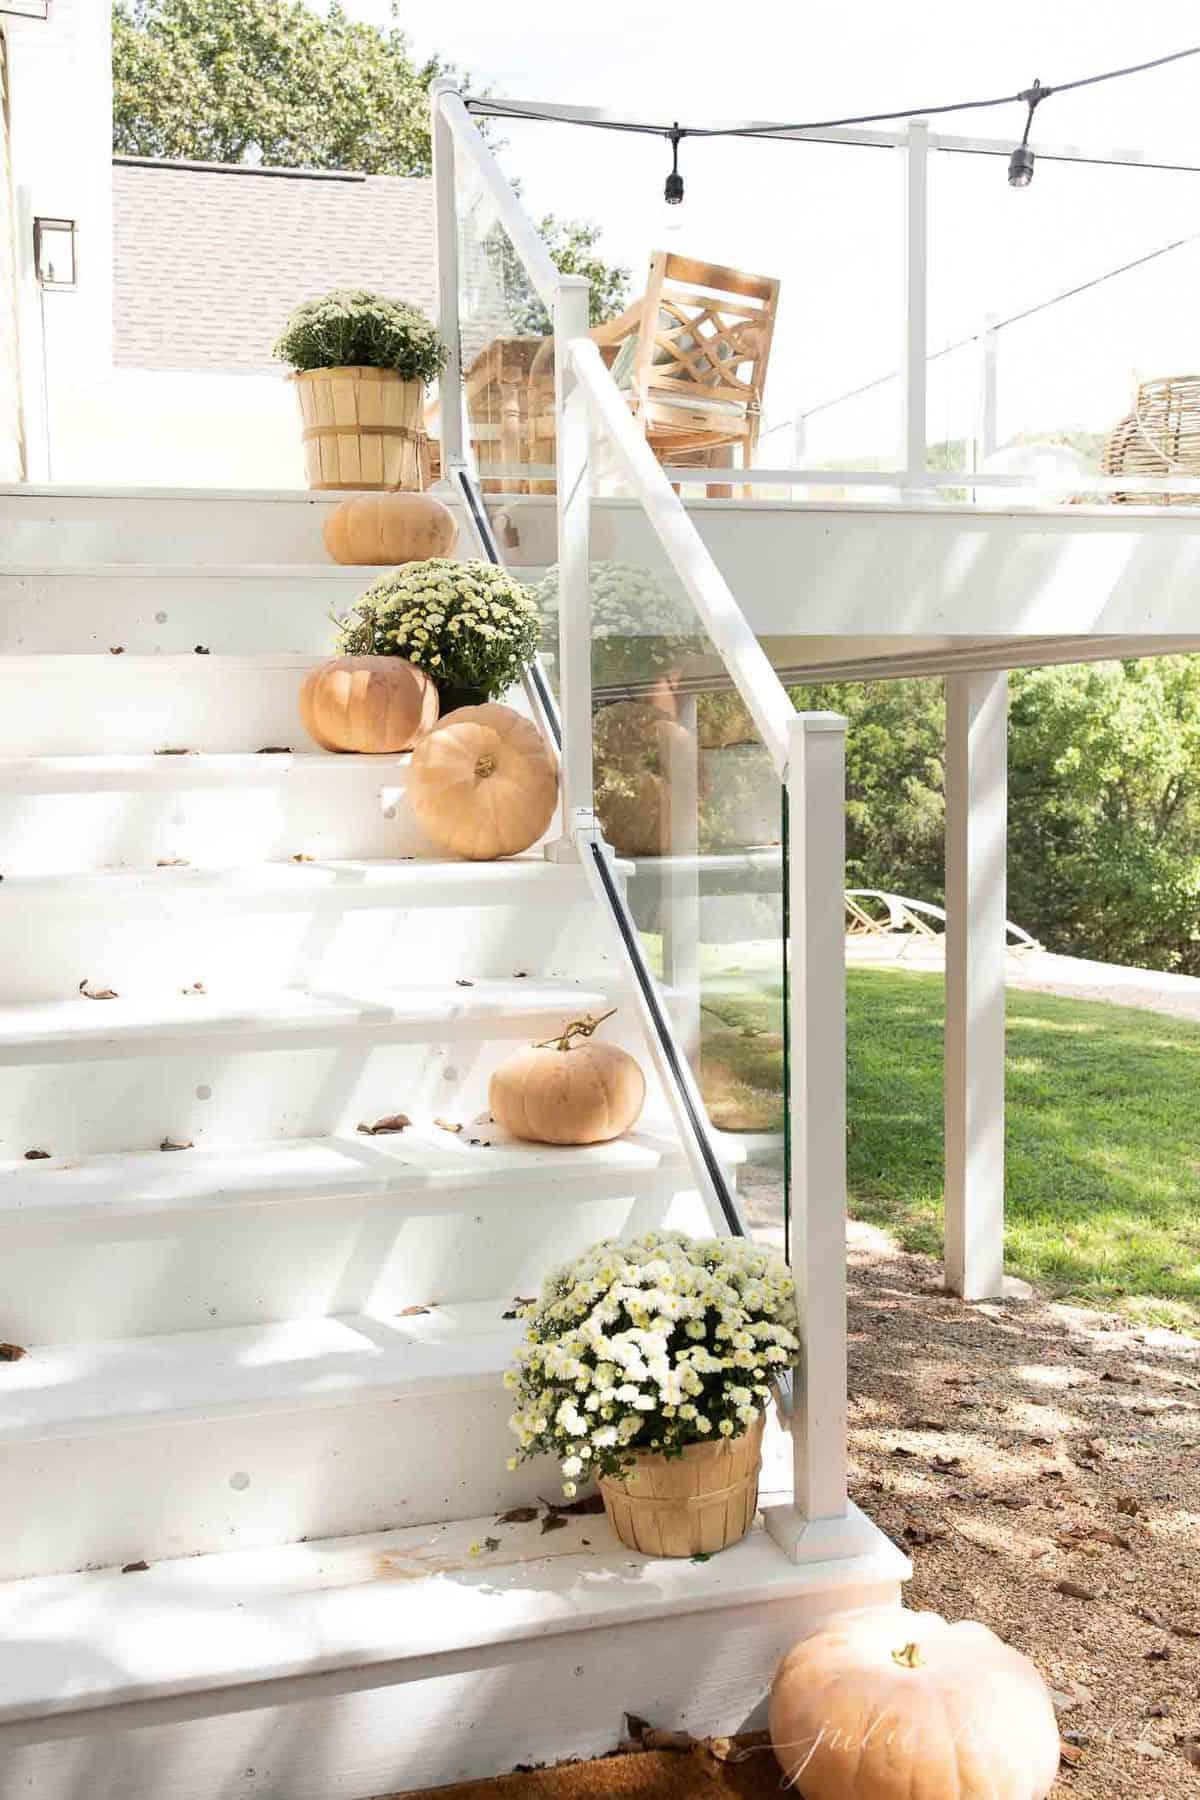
689,1505
363,428
1161,436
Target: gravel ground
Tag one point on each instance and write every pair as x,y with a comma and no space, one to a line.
1042,1466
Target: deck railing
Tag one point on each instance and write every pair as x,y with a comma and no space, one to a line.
492,258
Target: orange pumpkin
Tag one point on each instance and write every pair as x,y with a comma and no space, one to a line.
483,784
888,1704
375,705
390,528
568,1090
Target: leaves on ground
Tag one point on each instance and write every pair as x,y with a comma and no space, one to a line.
12,1352
37,1155
173,1144
386,1127
91,993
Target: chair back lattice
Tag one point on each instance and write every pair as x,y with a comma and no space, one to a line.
704,333
1161,436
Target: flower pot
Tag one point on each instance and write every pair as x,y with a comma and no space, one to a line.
450,698
689,1505
363,428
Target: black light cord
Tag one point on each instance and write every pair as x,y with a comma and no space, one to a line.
676,132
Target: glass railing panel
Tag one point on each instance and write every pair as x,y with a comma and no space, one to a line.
689,798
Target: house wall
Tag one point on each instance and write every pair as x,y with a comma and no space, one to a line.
12,446
173,428
60,108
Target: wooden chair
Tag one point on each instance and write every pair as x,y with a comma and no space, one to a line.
692,356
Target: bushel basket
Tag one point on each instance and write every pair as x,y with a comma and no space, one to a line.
363,428
689,1505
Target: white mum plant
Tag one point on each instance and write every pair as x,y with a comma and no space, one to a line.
654,1344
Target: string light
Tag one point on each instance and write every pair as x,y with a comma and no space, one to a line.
1020,163
673,188
1020,166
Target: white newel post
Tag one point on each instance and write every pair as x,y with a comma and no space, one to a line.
916,304
573,488
820,1522
976,906
446,227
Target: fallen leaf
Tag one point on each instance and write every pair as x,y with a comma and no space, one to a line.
91,993
924,1425
553,1522
917,1533
1078,1536
388,1126
301,857
1123,1380
1074,1590
518,1515
412,1312
491,1543
591,1503
201,650
116,649
12,1352
172,862
461,983
1189,1749
197,987
170,1144
1070,1754
1127,1504
171,750
447,1125
1183,1631
942,1465
1162,1654
37,1156
134,1568
1158,1711
275,750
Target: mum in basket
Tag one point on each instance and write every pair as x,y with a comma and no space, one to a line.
648,1365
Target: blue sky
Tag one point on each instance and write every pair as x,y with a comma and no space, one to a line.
827,221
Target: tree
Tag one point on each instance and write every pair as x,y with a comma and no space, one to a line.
277,82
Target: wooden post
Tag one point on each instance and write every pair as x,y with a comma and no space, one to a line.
976,896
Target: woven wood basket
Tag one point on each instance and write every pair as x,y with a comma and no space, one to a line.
1161,436
689,1505
363,428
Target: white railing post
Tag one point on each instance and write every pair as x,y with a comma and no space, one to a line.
679,874
820,1521
976,855
445,205
916,304
989,345
573,488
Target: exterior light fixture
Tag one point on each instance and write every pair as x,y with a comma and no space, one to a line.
1020,163
54,252
673,189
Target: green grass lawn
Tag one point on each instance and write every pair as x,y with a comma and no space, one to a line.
1103,1188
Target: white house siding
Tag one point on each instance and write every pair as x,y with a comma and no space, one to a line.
12,452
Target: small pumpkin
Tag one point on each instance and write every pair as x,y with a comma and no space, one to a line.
390,528
886,1704
375,705
483,784
568,1090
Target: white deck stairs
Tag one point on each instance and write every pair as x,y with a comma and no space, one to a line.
268,1365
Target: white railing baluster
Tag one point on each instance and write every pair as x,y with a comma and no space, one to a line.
916,302
573,487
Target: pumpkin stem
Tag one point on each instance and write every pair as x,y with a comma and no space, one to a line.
581,1028
909,1658
485,766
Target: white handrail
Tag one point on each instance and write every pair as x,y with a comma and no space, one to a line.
722,618
516,221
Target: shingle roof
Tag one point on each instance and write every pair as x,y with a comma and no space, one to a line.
210,260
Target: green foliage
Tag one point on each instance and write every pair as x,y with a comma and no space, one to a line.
1104,783
350,328
572,244
469,624
271,81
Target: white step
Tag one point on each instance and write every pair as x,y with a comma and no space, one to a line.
87,1076
251,1435
79,705
166,608
140,1243
63,814
55,525
150,931
336,1670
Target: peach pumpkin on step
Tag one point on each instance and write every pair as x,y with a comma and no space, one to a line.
375,705
568,1090
888,1704
390,528
483,784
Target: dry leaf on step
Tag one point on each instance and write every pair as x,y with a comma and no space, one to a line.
301,857
172,862
553,1522
412,1312
91,993
447,1125
135,1568
387,1126
275,750
518,1515
37,1156
202,650
170,1144
172,750
12,1352
591,1503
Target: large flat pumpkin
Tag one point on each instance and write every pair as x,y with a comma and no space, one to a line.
483,784
390,528
375,705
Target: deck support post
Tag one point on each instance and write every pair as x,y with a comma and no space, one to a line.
976,895
820,1522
